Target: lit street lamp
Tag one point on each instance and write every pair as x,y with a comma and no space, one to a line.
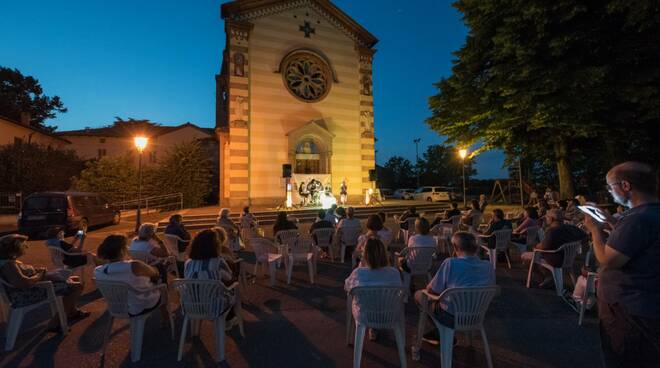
140,144
463,154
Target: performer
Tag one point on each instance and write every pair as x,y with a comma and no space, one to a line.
343,193
304,193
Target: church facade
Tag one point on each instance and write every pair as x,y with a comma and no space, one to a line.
295,88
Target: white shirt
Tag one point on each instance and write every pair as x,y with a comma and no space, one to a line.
143,245
422,241
123,272
364,276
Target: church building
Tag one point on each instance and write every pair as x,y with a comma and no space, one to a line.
295,88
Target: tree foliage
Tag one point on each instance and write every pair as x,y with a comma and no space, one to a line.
442,166
114,176
398,172
30,167
543,77
19,93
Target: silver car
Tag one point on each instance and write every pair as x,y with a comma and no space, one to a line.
403,193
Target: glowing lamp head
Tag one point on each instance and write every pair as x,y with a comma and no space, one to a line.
462,153
140,143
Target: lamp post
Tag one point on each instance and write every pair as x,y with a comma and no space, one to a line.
416,141
140,144
463,154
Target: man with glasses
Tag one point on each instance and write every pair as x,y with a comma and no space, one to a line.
629,288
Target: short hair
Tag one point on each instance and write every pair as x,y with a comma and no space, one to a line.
222,234
454,205
422,226
498,213
112,247
321,214
374,223
350,212
465,242
205,245
475,205
146,231
556,214
11,246
246,209
374,254
641,176
341,211
53,231
532,213
224,212
383,217
175,218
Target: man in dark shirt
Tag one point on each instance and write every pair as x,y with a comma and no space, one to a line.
321,222
629,288
497,223
446,217
556,235
411,212
175,227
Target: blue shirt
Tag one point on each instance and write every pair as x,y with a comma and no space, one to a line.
636,285
466,271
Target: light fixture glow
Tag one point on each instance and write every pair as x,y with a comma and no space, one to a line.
289,199
327,200
462,153
140,143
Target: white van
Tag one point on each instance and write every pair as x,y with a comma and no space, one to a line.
432,194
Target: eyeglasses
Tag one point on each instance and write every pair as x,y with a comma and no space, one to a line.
610,186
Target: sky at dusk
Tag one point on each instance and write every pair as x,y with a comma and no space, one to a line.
156,60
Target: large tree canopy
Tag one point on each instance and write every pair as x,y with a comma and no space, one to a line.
537,77
19,93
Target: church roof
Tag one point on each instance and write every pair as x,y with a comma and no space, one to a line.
131,128
245,10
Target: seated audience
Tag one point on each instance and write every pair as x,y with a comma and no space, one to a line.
137,274
148,242
230,227
472,214
321,222
206,262
374,225
350,220
483,203
283,223
56,239
530,219
498,222
543,208
226,252
572,213
464,270
22,279
330,215
555,236
448,214
176,227
247,219
410,212
385,233
422,239
376,272
340,214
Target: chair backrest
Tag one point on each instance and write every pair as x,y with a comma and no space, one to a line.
172,243
301,246
145,257
455,222
56,256
387,240
570,251
469,305
115,294
502,238
261,247
419,259
201,299
350,235
411,225
532,234
323,237
286,237
379,306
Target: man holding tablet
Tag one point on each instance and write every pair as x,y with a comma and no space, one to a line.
629,289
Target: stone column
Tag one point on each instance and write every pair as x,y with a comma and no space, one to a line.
367,151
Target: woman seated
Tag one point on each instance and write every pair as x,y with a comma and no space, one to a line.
22,278
530,219
385,233
139,275
225,252
247,220
147,241
205,262
283,223
472,214
376,272
56,239
422,239
230,227
374,225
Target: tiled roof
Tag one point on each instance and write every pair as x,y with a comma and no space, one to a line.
36,129
131,129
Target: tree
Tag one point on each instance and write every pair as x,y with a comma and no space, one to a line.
185,169
30,167
442,166
402,171
19,93
116,177
544,76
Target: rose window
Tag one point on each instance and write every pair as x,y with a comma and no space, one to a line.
306,76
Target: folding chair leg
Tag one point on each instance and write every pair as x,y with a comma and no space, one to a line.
558,276
137,333
489,359
492,255
508,261
59,305
359,342
182,339
289,271
446,346
271,270
421,326
343,253
400,335
529,273
220,338
310,268
15,319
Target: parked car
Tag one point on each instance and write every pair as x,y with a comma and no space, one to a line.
403,194
70,210
386,193
431,194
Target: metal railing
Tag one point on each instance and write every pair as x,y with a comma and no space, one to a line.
11,202
166,202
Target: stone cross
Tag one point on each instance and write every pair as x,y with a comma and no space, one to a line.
307,28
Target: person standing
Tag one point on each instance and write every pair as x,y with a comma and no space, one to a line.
629,288
343,193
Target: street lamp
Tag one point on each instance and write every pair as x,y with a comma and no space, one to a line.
140,144
463,154
416,141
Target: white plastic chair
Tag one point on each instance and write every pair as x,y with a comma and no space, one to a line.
476,221
469,306
381,307
419,260
589,291
442,235
502,242
57,257
115,294
264,257
323,239
302,251
172,244
150,259
569,251
531,239
347,237
15,314
285,238
407,233
201,300
455,223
